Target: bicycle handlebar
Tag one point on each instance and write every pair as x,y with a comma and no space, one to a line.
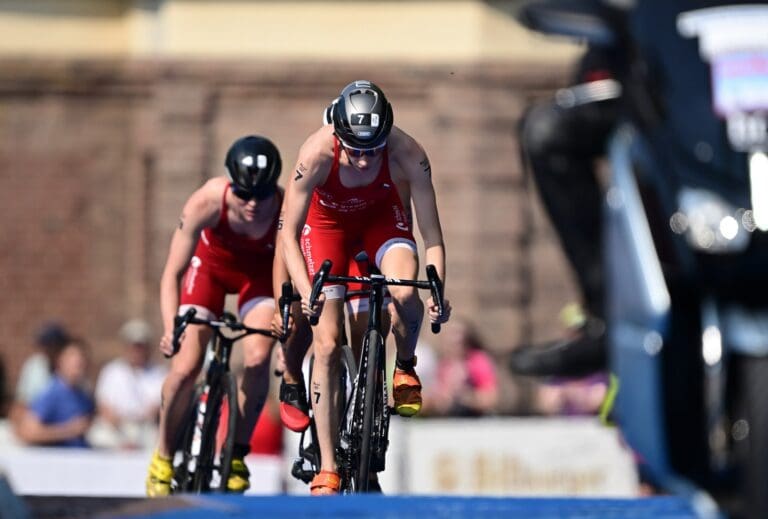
180,323
433,284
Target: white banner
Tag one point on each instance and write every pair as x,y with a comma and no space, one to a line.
523,457
503,457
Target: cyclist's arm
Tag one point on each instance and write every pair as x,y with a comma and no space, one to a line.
310,171
279,269
417,169
279,274
201,211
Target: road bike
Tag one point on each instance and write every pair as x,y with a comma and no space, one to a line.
364,424
203,457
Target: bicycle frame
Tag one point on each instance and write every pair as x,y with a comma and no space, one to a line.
198,445
364,441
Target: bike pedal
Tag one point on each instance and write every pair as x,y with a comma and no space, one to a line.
299,472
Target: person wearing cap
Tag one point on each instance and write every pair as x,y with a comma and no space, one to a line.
350,180
128,391
37,370
62,413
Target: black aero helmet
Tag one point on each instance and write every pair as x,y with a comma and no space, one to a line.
253,166
362,116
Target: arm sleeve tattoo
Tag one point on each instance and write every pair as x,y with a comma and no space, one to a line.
426,166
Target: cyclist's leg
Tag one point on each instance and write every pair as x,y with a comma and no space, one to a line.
401,262
296,346
176,394
408,311
257,349
294,408
318,243
179,382
324,386
202,290
256,308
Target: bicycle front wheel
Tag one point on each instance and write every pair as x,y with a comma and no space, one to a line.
373,350
218,436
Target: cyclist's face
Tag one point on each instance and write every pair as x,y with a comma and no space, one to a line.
362,159
250,209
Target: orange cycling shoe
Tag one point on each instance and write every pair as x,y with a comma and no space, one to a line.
294,409
325,483
406,388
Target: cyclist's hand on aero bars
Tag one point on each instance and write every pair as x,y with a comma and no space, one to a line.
432,310
314,311
166,344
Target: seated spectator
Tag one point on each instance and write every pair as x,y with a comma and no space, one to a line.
62,413
465,376
128,392
37,369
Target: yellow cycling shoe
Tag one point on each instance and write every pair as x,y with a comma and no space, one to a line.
406,391
238,476
160,476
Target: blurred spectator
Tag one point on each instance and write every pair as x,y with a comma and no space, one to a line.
128,392
62,413
465,376
37,369
572,397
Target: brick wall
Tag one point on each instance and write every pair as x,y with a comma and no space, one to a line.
97,158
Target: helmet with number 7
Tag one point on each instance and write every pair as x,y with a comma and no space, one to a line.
361,115
253,166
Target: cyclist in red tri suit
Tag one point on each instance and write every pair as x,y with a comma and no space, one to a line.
294,408
346,192
224,244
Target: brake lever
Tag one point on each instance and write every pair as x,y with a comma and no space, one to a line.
317,287
180,323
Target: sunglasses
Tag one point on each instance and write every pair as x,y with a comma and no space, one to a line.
247,196
359,152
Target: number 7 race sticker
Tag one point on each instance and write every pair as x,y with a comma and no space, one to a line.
365,120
